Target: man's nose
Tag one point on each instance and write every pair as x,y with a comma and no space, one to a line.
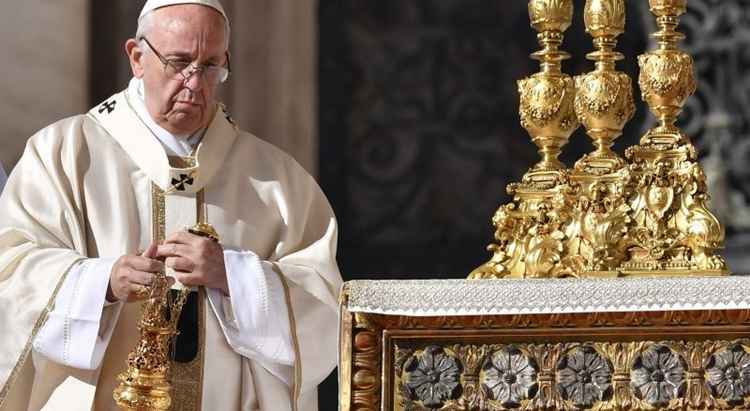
194,80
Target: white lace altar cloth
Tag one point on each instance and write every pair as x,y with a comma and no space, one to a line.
547,296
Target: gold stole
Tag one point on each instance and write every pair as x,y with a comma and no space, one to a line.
186,378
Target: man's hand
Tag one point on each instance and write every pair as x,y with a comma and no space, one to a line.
197,261
132,274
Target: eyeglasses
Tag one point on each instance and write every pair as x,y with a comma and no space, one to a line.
183,70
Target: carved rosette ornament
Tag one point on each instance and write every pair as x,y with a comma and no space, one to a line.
584,377
633,376
658,376
431,377
528,231
509,376
728,374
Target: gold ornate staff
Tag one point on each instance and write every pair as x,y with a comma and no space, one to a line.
145,385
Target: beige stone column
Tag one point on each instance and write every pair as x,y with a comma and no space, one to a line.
273,90
44,68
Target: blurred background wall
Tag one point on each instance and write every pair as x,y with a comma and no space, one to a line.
406,110
44,68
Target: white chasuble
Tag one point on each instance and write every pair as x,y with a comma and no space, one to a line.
91,186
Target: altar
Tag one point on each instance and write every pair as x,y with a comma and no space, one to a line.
602,344
605,289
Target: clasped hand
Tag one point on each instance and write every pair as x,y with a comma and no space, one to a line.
196,260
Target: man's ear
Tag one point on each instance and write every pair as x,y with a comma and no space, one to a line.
135,55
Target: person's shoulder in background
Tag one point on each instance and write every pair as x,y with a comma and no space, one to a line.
3,177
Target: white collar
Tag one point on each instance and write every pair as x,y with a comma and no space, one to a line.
173,144
118,118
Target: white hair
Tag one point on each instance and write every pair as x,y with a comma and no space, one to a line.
146,24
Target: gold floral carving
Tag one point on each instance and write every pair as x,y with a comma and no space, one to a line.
667,80
645,214
674,230
668,8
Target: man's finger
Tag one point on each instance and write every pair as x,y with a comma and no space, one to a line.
183,237
187,279
146,264
180,264
173,250
140,277
150,251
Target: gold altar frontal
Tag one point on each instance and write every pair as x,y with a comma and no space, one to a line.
598,344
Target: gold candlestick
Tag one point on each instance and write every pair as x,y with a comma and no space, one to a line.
547,97
673,230
604,97
645,215
597,212
528,236
667,78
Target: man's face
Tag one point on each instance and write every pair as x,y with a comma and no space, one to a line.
185,33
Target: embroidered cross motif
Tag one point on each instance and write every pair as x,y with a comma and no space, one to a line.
184,180
109,107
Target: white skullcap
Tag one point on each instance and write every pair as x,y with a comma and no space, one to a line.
152,5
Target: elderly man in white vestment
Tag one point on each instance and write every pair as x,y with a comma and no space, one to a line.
99,203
